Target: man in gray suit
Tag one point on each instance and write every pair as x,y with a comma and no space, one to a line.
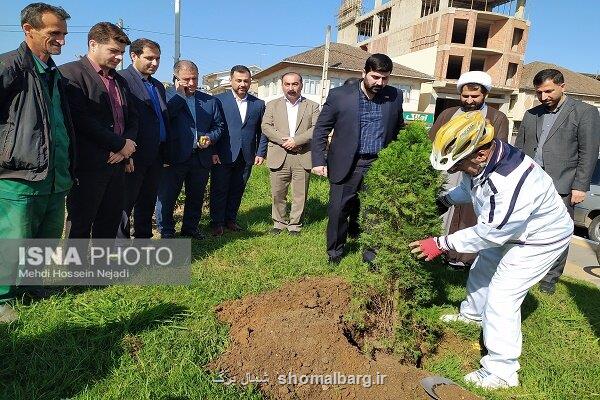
562,135
288,124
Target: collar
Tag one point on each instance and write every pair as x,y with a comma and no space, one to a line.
559,106
99,70
142,77
287,101
237,99
496,156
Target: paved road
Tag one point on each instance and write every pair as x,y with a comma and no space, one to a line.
582,263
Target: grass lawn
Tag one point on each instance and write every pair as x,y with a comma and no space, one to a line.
153,342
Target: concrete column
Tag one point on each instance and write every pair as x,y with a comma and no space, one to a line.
520,13
444,4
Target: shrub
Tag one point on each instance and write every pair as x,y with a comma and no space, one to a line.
398,207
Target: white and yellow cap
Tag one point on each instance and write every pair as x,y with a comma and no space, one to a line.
458,138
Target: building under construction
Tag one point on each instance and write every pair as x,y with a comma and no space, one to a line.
444,38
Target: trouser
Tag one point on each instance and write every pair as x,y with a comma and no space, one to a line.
293,174
195,177
30,217
559,266
227,185
497,284
95,205
141,190
343,202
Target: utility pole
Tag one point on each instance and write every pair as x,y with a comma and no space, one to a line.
325,65
120,25
177,31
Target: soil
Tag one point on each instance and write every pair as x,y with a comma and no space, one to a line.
292,343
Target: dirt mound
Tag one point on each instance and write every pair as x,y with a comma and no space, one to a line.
291,343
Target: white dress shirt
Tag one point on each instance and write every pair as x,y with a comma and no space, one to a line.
292,114
242,105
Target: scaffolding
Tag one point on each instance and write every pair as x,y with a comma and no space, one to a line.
349,11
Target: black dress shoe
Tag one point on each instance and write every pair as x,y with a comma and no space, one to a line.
233,226
294,233
275,231
196,235
335,260
547,288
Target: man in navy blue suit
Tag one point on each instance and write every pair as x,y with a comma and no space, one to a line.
366,117
196,124
241,146
143,169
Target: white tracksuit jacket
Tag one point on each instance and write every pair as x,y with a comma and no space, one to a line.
515,202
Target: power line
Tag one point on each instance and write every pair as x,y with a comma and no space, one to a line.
185,36
221,40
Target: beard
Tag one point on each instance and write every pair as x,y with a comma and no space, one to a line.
471,107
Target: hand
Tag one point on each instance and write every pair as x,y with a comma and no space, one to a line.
180,86
426,248
321,171
288,143
128,149
114,158
204,142
577,196
129,166
216,159
258,160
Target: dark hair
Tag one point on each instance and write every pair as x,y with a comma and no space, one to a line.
474,86
351,81
292,73
184,64
32,14
104,32
240,68
137,46
379,63
555,75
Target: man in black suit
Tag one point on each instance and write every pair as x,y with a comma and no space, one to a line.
366,117
105,125
143,170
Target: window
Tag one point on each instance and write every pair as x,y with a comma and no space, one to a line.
517,37
459,31
477,63
510,73
482,33
384,20
311,84
454,67
335,82
405,92
365,29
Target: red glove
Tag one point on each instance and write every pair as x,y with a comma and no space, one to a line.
430,248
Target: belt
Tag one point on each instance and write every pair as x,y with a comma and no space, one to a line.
367,156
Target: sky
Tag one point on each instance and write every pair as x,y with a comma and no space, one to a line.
565,33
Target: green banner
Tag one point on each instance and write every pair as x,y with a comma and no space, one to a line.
410,116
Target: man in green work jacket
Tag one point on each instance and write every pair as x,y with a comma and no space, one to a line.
36,139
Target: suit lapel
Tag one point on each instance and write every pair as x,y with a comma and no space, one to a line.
562,116
233,105
96,77
301,111
385,111
141,87
282,113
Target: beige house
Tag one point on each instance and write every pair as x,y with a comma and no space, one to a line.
579,86
218,82
345,62
444,38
